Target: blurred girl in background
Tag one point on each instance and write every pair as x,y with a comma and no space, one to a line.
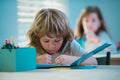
91,30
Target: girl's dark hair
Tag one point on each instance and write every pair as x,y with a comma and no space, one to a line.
87,11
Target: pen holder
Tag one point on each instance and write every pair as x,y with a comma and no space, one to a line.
16,60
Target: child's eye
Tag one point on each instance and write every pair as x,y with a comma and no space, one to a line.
57,40
46,41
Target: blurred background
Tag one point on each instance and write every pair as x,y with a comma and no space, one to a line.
16,16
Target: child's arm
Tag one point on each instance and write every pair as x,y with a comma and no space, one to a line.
90,61
76,51
67,60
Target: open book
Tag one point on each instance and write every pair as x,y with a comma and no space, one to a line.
76,64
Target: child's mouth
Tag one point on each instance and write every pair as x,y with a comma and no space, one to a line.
51,51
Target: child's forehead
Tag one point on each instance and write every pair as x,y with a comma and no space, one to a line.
52,36
92,14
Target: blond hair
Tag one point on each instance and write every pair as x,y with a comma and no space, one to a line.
46,22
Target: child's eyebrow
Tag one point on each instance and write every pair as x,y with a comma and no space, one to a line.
50,37
54,36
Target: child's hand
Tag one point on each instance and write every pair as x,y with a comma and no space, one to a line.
90,36
44,59
65,59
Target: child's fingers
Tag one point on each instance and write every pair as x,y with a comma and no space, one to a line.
48,62
48,58
59,60
47,55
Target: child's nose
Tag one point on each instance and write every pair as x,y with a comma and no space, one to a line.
52,46
89,25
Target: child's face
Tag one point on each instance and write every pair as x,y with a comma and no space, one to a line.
91,22
51,44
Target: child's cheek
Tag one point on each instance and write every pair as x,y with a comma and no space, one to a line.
44,45
95,28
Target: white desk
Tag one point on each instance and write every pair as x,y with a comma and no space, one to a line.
99,73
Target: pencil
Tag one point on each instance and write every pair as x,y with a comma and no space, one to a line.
65,47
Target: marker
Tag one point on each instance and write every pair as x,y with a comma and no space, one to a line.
8,45
65,47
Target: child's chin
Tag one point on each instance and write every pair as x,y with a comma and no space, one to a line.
52,52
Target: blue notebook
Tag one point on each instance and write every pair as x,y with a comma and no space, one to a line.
76,64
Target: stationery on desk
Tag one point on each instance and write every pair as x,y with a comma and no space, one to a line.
15,59
9,45
65,47
75,64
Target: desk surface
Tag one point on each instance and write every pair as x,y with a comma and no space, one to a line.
99,73
103,55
